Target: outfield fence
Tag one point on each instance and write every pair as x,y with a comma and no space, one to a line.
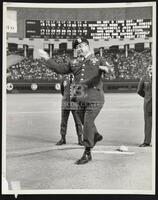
54,87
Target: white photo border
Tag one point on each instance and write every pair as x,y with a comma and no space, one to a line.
4,95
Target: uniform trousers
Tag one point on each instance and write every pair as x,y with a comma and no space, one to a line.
148,124
88,113
64,120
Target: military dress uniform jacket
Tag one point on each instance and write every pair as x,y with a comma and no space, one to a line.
65,91
86,73
67,107
65,88
145,90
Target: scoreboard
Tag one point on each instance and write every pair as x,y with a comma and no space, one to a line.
108,29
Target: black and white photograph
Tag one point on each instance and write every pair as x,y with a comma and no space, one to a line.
79,98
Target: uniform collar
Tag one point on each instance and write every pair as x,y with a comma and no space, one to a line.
89,56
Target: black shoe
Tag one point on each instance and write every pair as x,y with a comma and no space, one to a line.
84,159
80,141
97,138
62,141
144,145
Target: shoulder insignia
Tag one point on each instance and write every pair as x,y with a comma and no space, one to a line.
94,60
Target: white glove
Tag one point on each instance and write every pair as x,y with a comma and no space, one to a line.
106,68
43,54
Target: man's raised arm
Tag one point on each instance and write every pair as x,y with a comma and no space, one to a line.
58,66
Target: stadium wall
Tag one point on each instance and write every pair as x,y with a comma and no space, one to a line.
54,87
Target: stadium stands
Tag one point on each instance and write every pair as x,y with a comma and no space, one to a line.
123,37
131,67
31,70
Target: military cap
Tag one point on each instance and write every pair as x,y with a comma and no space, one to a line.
79,40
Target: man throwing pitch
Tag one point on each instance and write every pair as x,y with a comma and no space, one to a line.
87,90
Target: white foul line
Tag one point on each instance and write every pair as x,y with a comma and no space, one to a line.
67,147
114,152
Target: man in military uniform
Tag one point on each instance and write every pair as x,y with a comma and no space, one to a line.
145,91
67,106
87,91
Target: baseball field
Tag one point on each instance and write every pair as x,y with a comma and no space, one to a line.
35,164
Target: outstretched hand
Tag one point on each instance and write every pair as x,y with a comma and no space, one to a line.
43,54
106,68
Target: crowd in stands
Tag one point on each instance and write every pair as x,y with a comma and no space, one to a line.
31,70
126,67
